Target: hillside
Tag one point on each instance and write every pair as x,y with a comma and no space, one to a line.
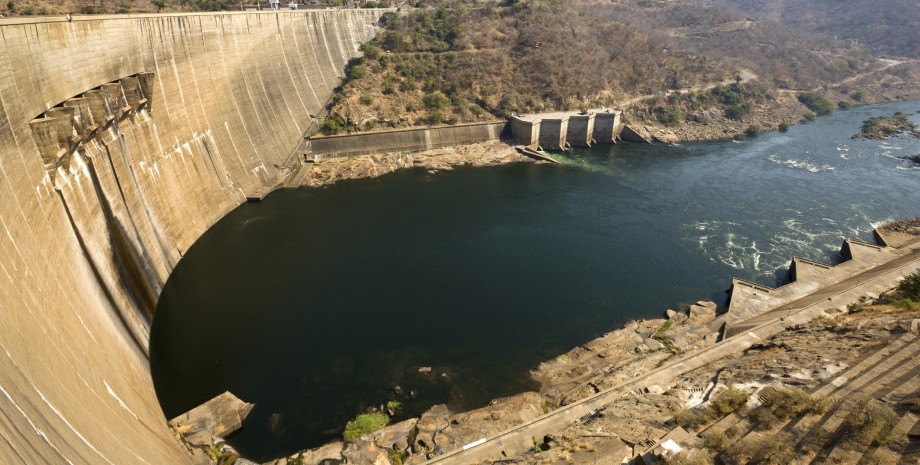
464,60
887,27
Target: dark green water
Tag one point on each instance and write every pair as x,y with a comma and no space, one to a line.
315,303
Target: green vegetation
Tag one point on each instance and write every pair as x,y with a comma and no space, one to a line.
768,450
816,103
809,116
883,127
870,422
858,95
752,131
786,404
363,424
659,336
727,401
906,296
672,117
716,442
394,408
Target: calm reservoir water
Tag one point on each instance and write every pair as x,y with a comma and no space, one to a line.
316,303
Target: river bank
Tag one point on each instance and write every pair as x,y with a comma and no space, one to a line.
331,170
701,126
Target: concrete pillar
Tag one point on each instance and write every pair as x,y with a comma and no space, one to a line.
580,132
607,127
131,87
45,134
146,82
82,117
99,107
115,98
526,131
552,133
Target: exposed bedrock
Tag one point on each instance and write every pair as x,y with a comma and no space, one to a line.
123,139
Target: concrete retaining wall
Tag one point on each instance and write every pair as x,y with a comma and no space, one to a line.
401,140
103,193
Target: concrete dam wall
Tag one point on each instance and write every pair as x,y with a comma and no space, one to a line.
124,138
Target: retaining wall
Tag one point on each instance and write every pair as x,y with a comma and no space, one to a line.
403,140
124,139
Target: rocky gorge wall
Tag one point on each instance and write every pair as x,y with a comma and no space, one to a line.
123,139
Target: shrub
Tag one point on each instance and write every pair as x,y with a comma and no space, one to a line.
716,442
435,100
914,404
408,85
858,95
737,111
672,117
356,72
808,116
363,424
783,127
792,402
816,103
728,400
870,422
843,105
906,304
370,51
909,287
332,125
752,130
776,450
692,418
434,117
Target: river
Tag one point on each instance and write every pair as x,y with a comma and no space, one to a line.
317,303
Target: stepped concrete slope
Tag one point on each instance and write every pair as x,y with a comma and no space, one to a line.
123,139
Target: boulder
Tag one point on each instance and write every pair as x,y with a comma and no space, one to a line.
362,452
915,326
216,418
499,415
653,344
395,436
331,452
701,314
665,137
432,421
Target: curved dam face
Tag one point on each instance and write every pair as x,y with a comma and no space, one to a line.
123,139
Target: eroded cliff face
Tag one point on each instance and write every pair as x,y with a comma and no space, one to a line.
124,139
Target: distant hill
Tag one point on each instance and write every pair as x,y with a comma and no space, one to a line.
886,26
468,60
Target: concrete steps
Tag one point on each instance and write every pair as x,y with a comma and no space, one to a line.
889,372
876,383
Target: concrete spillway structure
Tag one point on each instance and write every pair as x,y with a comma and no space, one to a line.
560,130
123,139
